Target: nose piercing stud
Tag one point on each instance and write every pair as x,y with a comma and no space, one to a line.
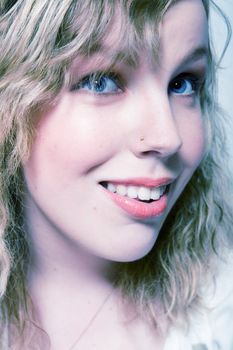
142,138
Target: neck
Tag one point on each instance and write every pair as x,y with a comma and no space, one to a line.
54,254
64,279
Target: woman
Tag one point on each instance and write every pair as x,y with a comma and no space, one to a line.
113,202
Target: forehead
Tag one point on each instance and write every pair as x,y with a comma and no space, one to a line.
184,32
132,29
185,25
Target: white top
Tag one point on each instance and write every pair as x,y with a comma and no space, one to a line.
212,329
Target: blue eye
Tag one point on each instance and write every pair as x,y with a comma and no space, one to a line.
98,84
184,86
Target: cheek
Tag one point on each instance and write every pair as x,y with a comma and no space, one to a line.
192,132
69,143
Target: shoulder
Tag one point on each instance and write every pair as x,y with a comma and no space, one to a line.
219,300
212,327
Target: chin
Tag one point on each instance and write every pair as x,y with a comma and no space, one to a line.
128,256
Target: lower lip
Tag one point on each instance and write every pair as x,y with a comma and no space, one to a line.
139,209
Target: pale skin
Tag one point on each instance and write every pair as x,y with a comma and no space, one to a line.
76,231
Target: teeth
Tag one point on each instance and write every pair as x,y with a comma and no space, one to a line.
111,187
162,190
132,192
121,189
155,193
142,193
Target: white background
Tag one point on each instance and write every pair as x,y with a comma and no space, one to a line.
225,85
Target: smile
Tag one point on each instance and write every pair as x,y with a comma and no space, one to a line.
141,193
140,201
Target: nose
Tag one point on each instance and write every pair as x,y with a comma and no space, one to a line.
155,126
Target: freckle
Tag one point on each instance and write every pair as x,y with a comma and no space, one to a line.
94,208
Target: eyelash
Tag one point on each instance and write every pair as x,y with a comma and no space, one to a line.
196,81
95,80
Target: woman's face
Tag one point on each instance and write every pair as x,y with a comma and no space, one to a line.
113,155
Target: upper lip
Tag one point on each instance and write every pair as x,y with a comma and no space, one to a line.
142,181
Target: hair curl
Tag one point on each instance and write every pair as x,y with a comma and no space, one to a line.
38,41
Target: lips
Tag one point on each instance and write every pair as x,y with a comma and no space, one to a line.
139,197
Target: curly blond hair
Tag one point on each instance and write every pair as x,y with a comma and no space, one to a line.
38,41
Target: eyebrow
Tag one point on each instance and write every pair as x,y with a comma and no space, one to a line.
195,55
109,54
102,50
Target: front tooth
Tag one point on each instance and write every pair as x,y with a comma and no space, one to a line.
121,190
132,192
155,193
144,193
111,187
